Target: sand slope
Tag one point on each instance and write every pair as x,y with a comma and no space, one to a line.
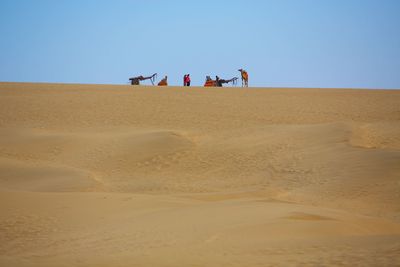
101,175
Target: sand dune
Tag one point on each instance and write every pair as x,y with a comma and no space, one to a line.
102,175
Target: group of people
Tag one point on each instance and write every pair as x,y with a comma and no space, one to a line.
186,80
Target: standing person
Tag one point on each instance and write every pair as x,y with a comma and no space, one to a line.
218,81
187,79
184,80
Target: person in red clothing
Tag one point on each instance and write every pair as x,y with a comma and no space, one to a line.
187,80
184,80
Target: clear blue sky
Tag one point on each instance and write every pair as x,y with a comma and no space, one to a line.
284,43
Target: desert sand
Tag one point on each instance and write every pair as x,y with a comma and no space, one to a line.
108,175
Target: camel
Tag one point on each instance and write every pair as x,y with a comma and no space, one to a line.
245,77
163,82
218,82
209,82
136,80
